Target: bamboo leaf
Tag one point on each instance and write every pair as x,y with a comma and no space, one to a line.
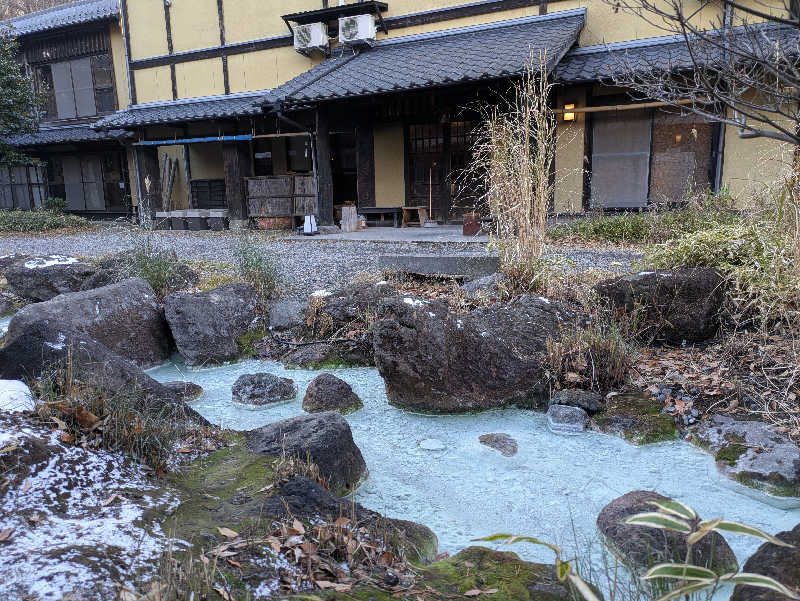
676,508
583,588
563,569
703,530
512,539
759,581
659,520
689,589
681,571
737,528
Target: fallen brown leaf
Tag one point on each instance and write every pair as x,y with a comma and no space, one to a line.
6,534
228,533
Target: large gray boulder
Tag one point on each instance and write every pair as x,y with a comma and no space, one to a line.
677,305
435,361
753,452
42,348
286,314
125,317
42,278
324,439
207,325
326,392
641,547
780,563
263,389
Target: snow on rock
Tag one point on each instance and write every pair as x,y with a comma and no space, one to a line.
78,519
42,262
15,396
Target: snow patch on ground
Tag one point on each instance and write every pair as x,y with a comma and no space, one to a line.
42,262
321,293
414,302
59,344
15,396
68,536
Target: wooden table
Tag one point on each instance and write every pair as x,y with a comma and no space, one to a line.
382,212
421,214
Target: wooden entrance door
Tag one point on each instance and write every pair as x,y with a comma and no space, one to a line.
428,166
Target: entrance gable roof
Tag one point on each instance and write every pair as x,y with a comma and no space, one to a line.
482,52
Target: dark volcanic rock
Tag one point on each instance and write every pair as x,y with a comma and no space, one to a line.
329,312
676,306
566,420
780,563
500,442
305,499
326,392
636,418
7,261
642,547
188,391
588,400
41,347
125,317
42,278
439,362
207,325
323,438
263,389
6,306
286,314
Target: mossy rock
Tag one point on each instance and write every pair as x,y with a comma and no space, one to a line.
475,568
637,418
730,454
250,339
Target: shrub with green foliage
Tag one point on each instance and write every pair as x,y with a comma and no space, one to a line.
158,266
40,221
55,204
256,267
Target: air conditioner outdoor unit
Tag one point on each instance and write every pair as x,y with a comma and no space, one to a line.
312,36
357,30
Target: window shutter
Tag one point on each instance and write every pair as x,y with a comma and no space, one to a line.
84,87
73,183
65,96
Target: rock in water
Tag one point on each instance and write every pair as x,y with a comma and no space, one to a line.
780,563
42,278
753,453
641,547
676,306
326,392
563,419
435,361
500,442
588,400
263,389
207,325
15,397
125,317
323,438
41,347
188,391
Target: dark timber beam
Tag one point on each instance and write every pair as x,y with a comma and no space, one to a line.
324,175
236,156
365,162
149,183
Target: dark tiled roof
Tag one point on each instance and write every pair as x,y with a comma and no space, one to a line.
490,51
181,111
65,15
65,135
671,54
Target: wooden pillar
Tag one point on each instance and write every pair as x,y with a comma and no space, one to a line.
148,182
365,163
236,156
324,176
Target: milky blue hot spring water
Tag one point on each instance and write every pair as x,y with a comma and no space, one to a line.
433,469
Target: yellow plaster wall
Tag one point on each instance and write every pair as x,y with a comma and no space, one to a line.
153,84
206,161
390,182
775,8
180,194
570,152
200,78
120,66
265,69
148,28
195,24
255,19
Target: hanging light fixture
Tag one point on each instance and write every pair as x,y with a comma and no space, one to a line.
568,114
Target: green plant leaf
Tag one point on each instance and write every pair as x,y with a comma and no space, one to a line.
563,569
689,589
511,539
737,528
759,581
703,530
676,508
660,521
583,588
681,571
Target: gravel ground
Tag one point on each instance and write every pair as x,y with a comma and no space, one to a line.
306,265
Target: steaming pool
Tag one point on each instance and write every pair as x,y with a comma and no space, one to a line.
433,470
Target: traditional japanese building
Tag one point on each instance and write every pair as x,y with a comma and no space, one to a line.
276,110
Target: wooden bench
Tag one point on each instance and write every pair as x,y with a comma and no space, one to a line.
409,214
382,212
